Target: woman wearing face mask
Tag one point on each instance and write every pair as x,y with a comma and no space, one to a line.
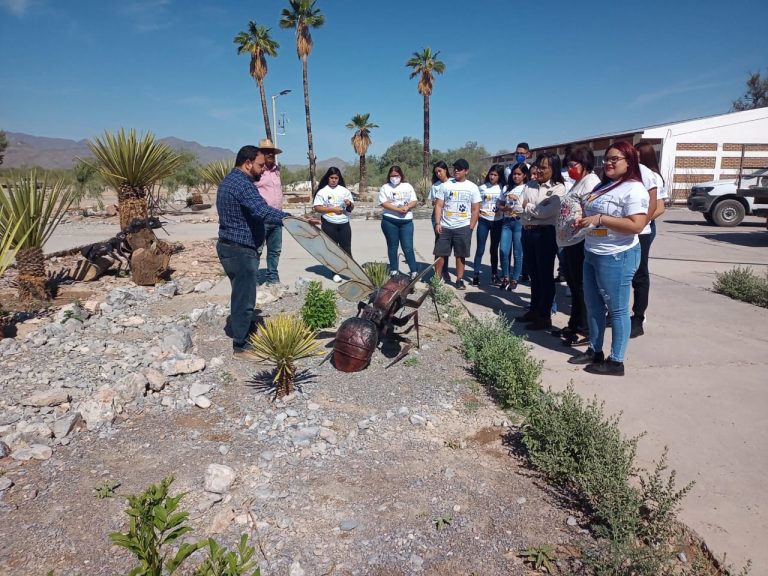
614,213
334,202
489,222
440,174
581,162
398,198
511,243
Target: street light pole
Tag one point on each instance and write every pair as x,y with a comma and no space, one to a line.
274,114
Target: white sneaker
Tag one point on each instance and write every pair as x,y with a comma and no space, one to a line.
336,278
394,272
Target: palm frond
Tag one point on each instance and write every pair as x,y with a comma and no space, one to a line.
214,172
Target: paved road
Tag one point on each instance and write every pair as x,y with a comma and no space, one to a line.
697,382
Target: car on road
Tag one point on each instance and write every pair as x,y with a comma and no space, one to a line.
720,203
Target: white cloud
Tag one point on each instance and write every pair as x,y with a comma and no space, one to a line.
16,7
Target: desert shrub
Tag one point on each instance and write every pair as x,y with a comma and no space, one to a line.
377,272
501,360
444,300
319,309
743,284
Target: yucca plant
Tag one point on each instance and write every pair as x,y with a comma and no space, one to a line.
31,211
423,186
7,236
377,272
283,340
214,172
131,164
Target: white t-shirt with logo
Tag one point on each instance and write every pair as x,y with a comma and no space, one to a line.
652,180
489,195
401,195
457,198
620,200
328,196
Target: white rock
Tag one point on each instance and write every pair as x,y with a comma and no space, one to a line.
52,397
131,387
63,426
156,379
100,409
202,402
203,286
218,478
177,366
34,452
296,569
199,389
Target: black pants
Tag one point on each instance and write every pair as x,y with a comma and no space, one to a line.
339,233
641,283
573,267
540,250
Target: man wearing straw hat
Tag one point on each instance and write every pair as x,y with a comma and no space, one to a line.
271,189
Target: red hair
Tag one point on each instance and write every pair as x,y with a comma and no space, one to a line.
630,154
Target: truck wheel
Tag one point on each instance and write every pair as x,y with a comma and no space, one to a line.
708,217
728,213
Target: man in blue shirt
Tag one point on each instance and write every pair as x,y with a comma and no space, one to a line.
242,215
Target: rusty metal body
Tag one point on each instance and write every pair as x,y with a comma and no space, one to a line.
356,339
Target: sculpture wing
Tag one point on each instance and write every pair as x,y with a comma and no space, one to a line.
330,254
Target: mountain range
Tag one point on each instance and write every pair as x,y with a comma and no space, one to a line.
25,150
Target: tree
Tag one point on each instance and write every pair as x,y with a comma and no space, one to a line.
756,95
3,145
302,15
258,44
87,183
425,65
406,153
361,140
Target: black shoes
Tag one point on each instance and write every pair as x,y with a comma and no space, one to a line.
540,324
460,284
529,316
495,280
637,327
588,357
608,368
244,353
476,280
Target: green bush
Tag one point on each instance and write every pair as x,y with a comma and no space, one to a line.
319,309
501,360
743,284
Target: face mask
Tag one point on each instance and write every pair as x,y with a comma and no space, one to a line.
574,173
394,180
520,158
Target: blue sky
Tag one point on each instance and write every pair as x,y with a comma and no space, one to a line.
541,72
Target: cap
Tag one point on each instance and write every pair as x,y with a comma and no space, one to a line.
461,164
266,145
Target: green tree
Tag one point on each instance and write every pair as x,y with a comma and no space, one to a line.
302,15
257,42
3,145
406,153
87,183
361,140
187,174
425,65
756,95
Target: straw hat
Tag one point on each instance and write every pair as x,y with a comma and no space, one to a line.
266,145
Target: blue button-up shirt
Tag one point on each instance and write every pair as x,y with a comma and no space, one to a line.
242,210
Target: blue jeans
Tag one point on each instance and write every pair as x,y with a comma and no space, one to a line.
241,265
607,284
273,240
399,233
485,227
511,245
540,248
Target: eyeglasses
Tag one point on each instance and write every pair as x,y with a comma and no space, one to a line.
573,164
457,169
613,159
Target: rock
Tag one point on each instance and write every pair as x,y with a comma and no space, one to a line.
417,420
176,366
110,211
71,313
177,339
34,452
304,436
168,290
99,409
301,286
203,286
329,436
5,450
348,525
52,397
156,379
63,426
521,500
199,389
221,521
571,521
682,557
131,387
5,483
218,478
34,431
416,561
295,569
202,402
312,406
403,411
364,424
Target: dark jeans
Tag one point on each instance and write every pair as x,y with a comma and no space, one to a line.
641,282
485,227
241,265
573,267
399,233
539,251
273,240
339,233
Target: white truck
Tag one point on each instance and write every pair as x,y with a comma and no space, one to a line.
723,203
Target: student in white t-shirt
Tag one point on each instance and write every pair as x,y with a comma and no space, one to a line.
615,212
398,198
489,222
440,174
334,202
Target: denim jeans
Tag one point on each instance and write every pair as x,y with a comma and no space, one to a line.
485,227
241,265
540,248
607,284
511,244
273,240
399,233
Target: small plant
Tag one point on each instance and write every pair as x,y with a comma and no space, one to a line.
411,362
377,272
442,522
743,284
71,315
540,557
106,489
283,340
223,562
319,309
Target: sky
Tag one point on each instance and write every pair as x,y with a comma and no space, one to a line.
543,72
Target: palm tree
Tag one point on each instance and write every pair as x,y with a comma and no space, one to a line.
131,165
302,15
258,44
425,64
361,140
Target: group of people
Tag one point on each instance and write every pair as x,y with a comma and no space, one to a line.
599,229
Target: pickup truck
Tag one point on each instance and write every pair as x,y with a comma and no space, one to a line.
723,205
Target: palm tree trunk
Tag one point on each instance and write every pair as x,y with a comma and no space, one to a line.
132,204
362,189
425,167
264,111
310,147
32,280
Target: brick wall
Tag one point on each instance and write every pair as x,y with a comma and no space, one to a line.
694,162
747,147
712,147
749,162
692,179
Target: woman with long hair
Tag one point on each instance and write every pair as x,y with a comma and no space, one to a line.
489,222
614,213
398,199
334,202
511,242
440,174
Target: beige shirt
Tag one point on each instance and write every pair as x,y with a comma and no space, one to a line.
541,203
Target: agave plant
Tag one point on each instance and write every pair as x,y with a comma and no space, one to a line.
131,165
214,172
423,186
29,214
377,272
7,249
283,340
